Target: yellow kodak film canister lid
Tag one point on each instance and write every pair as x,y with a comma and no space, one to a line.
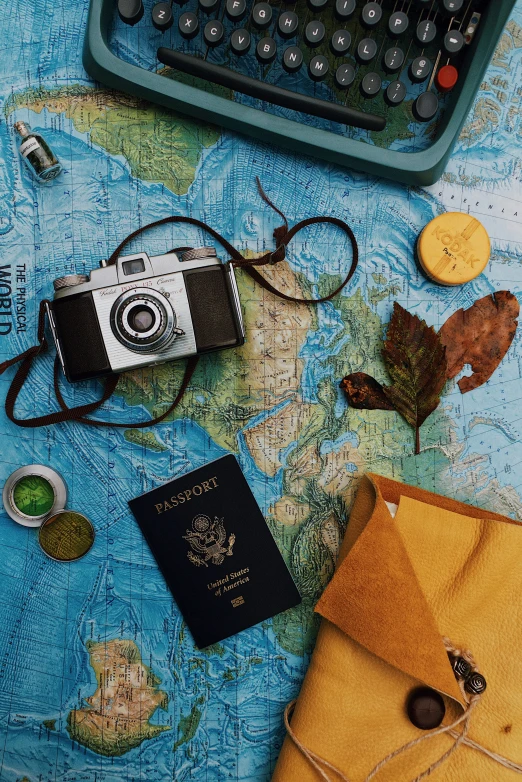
454,248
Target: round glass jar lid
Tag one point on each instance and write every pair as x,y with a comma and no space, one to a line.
33,493
66,536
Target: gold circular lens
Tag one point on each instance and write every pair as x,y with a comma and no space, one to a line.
66,536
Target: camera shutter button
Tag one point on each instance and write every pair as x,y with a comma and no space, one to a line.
69,281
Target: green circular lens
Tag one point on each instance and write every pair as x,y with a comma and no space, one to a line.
66,535
33,496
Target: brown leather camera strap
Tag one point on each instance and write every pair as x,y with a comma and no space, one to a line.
283,235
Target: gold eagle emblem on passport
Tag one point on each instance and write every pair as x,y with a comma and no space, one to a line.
207,540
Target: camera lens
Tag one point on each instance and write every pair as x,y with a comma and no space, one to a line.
141,318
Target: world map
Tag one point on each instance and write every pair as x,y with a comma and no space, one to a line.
100,679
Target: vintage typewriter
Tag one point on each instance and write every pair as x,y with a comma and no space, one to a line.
383,87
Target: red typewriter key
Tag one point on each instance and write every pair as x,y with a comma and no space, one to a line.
447,77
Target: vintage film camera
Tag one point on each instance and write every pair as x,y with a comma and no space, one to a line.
143,311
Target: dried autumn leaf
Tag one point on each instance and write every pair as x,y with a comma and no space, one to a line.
416,361
480,336
365,393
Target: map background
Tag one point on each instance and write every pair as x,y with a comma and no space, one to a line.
125,166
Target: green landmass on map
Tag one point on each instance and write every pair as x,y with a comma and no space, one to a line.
189,724
158,144
117,716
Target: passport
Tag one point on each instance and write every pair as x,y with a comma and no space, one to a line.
215,551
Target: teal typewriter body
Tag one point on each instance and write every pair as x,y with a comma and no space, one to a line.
381,87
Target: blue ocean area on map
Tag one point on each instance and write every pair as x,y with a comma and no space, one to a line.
68,632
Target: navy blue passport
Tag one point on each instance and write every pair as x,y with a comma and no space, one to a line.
215,551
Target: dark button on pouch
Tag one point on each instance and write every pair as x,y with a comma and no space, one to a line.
476,684
461,667
425,708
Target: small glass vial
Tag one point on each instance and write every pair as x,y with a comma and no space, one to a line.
38,156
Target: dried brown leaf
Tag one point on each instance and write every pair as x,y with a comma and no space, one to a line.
365,393
480,336
416,362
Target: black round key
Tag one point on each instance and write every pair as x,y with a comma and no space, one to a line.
213,32
420,69
344,76
314,33
425,107
188,24
262,15
398,23
240,41
426,32
318,67
340,42
287,24
395,93
426,708
452,7
371,14
366,50
130,11
344,8
162,16
266,50
371,84
453,42
317,5
208,5
393,60
292,59
235,9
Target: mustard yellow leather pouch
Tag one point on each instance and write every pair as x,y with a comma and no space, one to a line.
422,581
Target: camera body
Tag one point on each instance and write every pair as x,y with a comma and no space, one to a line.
143,311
